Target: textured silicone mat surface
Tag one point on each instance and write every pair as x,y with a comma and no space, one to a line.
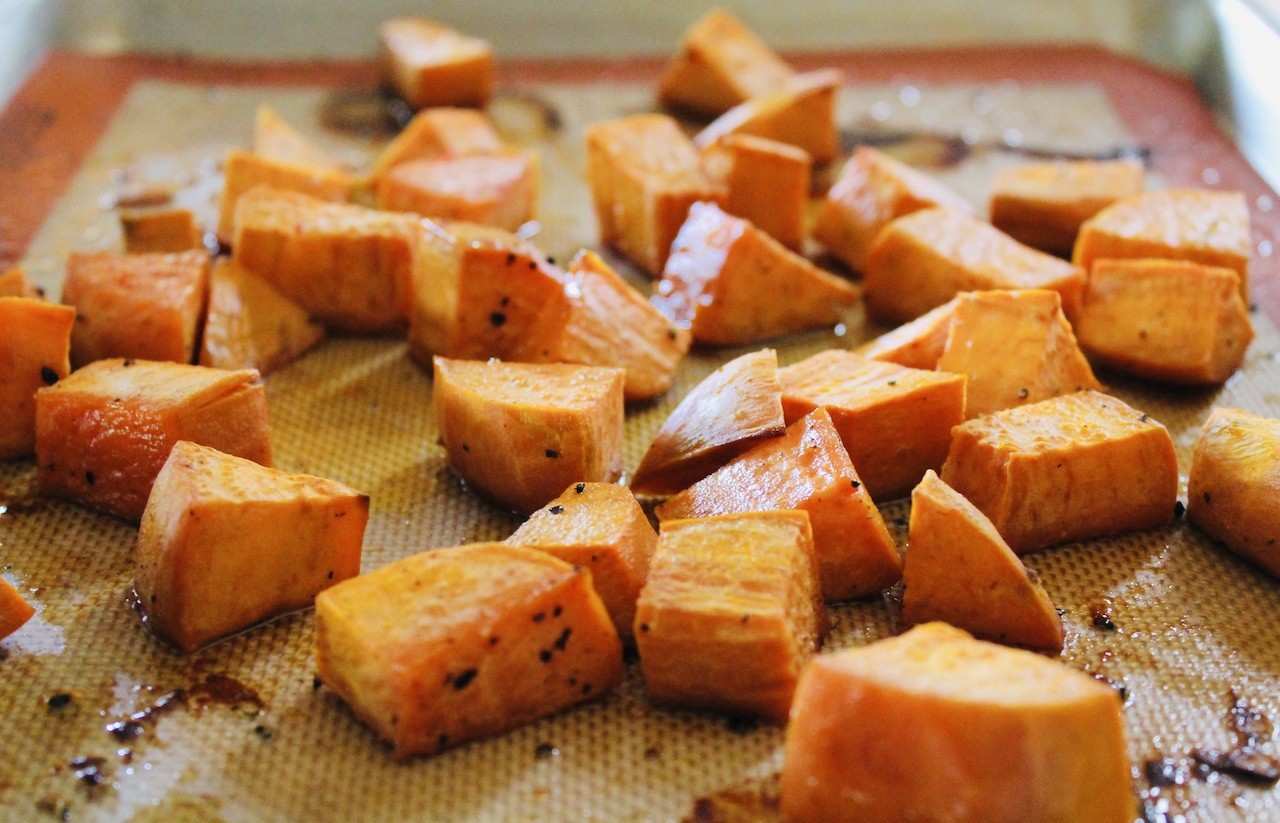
252,737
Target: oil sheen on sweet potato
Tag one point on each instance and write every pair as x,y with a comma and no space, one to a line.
251,325
801,113
35,342
721,63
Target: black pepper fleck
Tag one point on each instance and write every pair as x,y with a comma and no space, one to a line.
497,319
533,265
552,454
48,375
89,478
557,611
1179,509
511,258
316,684
539,617
562,640
586,688
263,732
1144,418
644,627
545,751
580,488
545,655
1207,499
443,741
556,509
58,701
854,484
1023,394
128,361
463,680
493,641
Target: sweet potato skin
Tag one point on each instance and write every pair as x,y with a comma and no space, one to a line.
35,345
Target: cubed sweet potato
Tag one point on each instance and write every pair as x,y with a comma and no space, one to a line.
1233,493
506,294
456,644
14,610
499,189
251,325
160,230
917,344
767,184
1166,320
104,432
15,283
802,113
731,284
276,139
895,422
600,527
146,306
430,64
244,171
35,345
226,543
439,132
935,725
731,612
1077,466
520,433
721,63
808,469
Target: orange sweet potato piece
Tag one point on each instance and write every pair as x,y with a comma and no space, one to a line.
917,344
430,64
726,414
1043,205
244,171
439,132
767,184
1199,225
872,190
925,258
160,230
1016,347
226,543
644,175
731,612
456,644
499,189
104,432
600,527
147,306
1166,320
14,283
960,570
808,469
1233,493
895,422
35,342
721,64
274,138
14,611
506,293
519,433
251,325
802,113
1069,468
349,266
934,725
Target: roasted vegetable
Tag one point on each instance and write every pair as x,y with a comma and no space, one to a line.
802,112
35,342
14,611
435,133
767,184
917,344
170,230
722,63
244,171
251,325
430,64
498,189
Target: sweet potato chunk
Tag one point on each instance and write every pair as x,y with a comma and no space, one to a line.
721,64
1077,466
251,325
1165,319
1199,225
498,189
644,175
917,344
349,266
226,543
15,283
1043,205
767,184
104,432
275,139
872,190
14,611
924,259
726,414
160,230
808,469
1016,347
456,644
432,65
730,283
147,306
895,422
960,570
35,345
1233,493
934,725
802,113
519,433
244,172
600,527
439,132
731,612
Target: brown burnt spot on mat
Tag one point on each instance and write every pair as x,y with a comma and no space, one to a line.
754,801
1100,614
371,113
136,724
219,689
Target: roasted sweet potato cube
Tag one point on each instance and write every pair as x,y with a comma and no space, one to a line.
226,543
1069,468
935,725
104,432
1166,320
244,171
251,325
160,230
430,64
1043,205
499,189
1016,347
895,422
808,469
1199,225
506,293
519,433
917,344
436,133
456,644
925,258
731,284
14,610
600,527
276,139
959,570
767,184
35,342
872,190
802,113
146,306
350,267
1233,493
721,64
731,612
726,414
15,283
644,175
